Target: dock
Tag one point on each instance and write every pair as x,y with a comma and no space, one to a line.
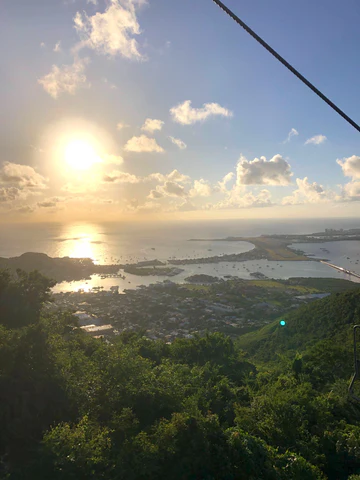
341,269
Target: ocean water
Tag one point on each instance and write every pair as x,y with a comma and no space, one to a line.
123,242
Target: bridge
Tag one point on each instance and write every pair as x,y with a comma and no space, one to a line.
341,269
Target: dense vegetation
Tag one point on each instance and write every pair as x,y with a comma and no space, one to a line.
274,405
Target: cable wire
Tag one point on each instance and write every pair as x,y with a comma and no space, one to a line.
286,64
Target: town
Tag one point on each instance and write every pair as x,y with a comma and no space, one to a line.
168,311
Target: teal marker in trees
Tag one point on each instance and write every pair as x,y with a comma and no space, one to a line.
282,323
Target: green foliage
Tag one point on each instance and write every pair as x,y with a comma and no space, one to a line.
21,299
79,408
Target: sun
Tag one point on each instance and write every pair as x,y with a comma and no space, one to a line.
80,155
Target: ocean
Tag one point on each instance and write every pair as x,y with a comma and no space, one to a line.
124,242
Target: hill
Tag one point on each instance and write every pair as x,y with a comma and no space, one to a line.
331,318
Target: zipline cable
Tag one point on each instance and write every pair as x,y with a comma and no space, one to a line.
286,64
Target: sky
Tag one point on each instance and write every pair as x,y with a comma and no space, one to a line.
156,109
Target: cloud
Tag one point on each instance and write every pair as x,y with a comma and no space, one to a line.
65,79
171,189
25,209
42,45
111,32
121,125
94,2
350,192
155,194
293,133
175,176
46,204
120,177
307,193
143,144
228,177
185,114
317,140
151,125
350,166
259,171
57,47
238,198
201,188
9,194
22,176
179,143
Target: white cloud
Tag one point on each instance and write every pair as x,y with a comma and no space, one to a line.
120,177
293,133
151,125
306,193
174,176
259,171
179,143
67,78
22,176
57,47
316,140
228,177
352,190
350,166
143,144
111,32
185,114
94,2
238,198
121,125
201,188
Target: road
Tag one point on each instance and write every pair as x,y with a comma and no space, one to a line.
341,269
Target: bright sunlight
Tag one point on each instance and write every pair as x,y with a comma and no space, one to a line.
80,155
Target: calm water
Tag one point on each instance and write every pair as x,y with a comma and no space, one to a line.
125,242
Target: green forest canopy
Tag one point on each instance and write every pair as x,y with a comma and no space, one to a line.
272,405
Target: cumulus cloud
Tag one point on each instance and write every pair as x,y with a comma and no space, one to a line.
276,171
9,194
171,189
65,79
350,166
151,125
228,177
155,194
120,177
143,144
352,190
316,140
111,32
306,193
174,176
293,133
201,188
57,47
179,143
22,176
185,114
121,125
238,198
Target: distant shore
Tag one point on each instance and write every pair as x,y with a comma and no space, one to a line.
266,247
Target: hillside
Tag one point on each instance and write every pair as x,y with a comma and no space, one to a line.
77,407
331,318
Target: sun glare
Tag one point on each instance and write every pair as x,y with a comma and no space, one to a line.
80,155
